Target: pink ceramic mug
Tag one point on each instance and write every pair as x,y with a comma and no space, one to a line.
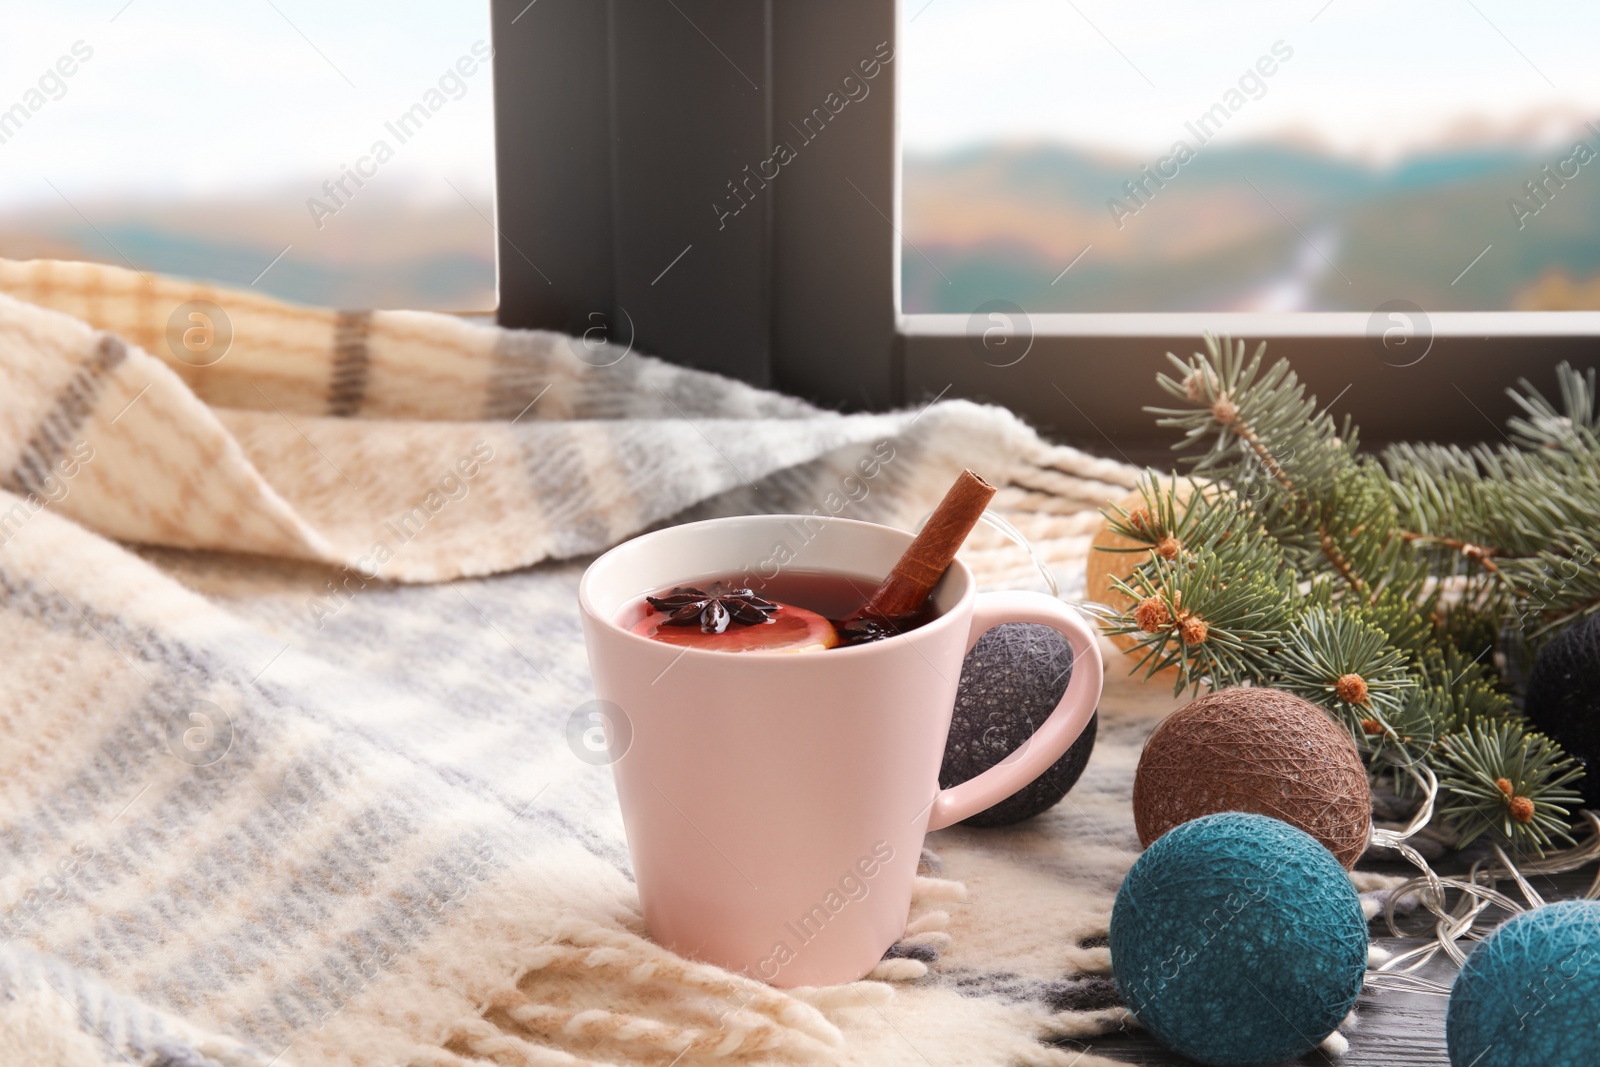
775,804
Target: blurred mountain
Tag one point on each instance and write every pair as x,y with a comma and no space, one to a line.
381,250
1268,226
1249,227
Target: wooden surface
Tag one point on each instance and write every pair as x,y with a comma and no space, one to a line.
1395,1030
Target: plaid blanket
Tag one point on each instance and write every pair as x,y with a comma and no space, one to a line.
287,611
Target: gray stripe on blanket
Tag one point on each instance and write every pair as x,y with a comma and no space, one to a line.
403,920
562,476
613,382
130,1031
522,370
56,432
132,746
356,854
347,388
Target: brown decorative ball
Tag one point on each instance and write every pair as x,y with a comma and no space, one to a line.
1256,750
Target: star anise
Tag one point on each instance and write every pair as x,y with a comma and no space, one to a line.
714,610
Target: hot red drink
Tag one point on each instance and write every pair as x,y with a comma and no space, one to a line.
810,611
797,611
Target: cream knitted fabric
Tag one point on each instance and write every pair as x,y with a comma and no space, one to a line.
268,795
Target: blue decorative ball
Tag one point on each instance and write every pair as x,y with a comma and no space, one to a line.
1237,939
1529,996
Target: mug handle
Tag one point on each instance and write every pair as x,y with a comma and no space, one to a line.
1057,733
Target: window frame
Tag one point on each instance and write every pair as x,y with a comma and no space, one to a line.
618,124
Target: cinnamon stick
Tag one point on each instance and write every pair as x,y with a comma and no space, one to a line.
903,592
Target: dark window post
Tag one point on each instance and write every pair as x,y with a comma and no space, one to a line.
713,178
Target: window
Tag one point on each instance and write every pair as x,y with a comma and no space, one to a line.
331,153
628,134
1250,155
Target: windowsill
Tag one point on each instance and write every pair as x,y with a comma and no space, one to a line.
1191,324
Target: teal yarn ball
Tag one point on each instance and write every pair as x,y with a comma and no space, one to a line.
1529,996
1237,939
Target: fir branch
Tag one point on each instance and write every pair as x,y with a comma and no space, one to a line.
1216,632
1405,612
1375,587
1460,689
1573,427
1341,563
1506,780
1161,515
1346,665
1559,585
1278,427
1184,517
1483,555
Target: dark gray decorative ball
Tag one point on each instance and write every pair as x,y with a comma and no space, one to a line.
1563,698
1010,683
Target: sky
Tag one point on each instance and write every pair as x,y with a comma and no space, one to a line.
200,98
1368,78
185,98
